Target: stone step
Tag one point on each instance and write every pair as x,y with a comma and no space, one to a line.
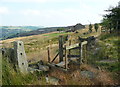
61,64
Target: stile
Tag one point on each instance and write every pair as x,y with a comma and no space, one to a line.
55,57
72,46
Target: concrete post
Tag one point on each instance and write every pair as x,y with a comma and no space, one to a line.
20,57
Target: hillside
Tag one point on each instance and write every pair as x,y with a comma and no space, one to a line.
45,30
101,63
9,31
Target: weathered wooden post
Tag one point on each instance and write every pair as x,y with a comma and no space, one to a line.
85,50
48,54
60,48
69,51
20,57
81,53
66,60
82,56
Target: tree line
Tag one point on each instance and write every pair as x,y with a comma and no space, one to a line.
96,26
111,20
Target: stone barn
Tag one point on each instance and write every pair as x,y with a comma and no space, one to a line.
76,27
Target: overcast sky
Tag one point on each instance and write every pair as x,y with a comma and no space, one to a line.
52,12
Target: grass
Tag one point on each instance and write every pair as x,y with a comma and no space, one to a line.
11,77
55,34
111,36
109,45
36,45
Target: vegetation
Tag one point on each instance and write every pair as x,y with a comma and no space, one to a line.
90,28
41,41
61,29
96,26
55,34
12,31
109,41
106,56
111,21
11,77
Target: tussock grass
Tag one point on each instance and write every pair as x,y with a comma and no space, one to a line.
12,77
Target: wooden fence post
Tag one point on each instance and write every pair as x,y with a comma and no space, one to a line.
69,51
81,50
48,54
79,53
66,60
85,48
60,48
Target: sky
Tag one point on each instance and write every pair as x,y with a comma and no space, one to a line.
51,13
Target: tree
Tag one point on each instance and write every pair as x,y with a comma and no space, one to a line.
90,28
96,26
60,29
111,21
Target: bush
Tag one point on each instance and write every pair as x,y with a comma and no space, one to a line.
114,67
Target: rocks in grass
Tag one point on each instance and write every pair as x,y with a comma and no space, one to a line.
88,74
52,80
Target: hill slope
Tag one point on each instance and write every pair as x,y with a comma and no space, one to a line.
47,30
7,31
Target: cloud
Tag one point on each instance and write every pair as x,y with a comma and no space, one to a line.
18,1
4,10
29,1
64,16
58,0
38,1
56,12
30,12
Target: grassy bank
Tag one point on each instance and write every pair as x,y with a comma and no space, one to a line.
11,77
107,54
